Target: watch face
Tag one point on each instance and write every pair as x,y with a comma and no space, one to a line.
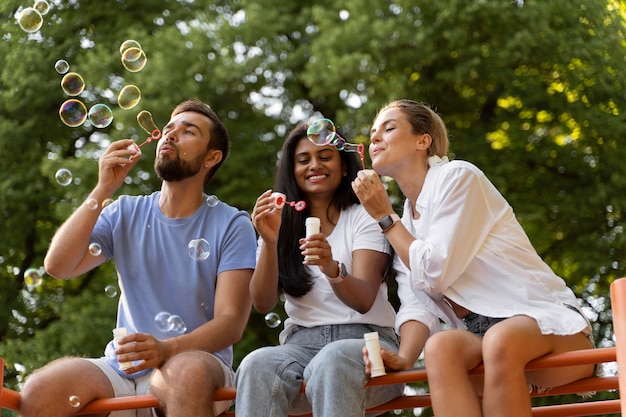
386,222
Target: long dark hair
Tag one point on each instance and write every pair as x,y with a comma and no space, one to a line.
294,277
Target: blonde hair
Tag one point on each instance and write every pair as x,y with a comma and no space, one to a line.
423,119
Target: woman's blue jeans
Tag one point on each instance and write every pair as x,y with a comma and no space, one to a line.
330,360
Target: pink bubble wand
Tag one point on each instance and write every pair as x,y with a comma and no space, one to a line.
280,200
144,118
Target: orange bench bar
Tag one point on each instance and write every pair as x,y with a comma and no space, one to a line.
10,399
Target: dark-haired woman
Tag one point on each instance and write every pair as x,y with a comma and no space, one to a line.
331,301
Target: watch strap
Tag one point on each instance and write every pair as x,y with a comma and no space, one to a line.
341,274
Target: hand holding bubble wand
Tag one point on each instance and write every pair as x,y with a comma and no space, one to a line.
280,200
322,132
144,118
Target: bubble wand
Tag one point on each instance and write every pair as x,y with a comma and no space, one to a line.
144,118
322,132
280,200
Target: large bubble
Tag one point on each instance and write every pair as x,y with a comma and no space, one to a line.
73,112
73,84
129,97
100,115
30,20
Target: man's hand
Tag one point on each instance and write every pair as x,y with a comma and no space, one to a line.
143,347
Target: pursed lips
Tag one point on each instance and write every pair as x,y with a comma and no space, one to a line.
166,149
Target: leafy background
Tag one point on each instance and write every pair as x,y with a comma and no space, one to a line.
532,92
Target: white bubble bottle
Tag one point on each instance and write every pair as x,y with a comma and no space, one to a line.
373,353
312,227
117,335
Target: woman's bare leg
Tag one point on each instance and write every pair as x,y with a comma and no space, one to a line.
449,355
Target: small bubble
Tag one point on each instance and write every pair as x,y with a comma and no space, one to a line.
110,291
73,113
33,278
272,320
106,202
129,97
74,401
62,66
100,115
212,201
30,20
95,249
161,320
176,324
42,7
91,203
63,177
72,84
199,249
204,306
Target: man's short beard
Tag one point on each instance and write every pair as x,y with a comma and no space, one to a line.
175,170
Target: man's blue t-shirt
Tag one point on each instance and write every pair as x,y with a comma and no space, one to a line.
157,270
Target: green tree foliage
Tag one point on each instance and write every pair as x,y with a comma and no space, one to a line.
531,91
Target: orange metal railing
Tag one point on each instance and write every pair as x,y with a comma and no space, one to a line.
10,399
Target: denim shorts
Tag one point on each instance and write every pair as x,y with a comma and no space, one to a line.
478,324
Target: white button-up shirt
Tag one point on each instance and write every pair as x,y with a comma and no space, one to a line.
470,248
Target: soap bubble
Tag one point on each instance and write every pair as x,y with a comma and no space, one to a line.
30,20
74,401
322,132
62,66
272,320
110,291
176,324
33,278
199,249
73,113
129,97
91,203
63,177
42,7
212,201
72,84
134,59
95,249
129,44
161,321
106,202
100,115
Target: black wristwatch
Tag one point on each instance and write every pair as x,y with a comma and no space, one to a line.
387,221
